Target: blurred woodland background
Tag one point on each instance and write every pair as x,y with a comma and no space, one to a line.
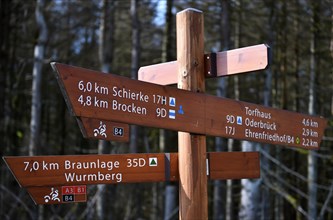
119,36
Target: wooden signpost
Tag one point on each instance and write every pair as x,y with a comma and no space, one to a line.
91,94
104,105
193,188
47,177
120,99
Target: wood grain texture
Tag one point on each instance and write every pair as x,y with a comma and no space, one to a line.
231,62
234,165
193,198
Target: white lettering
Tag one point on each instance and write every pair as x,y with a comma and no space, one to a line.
257,113
67,164
94,177
260,124
128,94
269,136
131,108
97,164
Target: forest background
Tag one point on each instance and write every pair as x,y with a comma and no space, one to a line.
119,37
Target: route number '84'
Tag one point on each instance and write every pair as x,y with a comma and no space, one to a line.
118,131
68,198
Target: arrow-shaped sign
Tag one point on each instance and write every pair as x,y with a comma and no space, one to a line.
73,170
224,63
92,94
59,179
88,169
103,129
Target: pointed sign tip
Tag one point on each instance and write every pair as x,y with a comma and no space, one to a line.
9,165
53,65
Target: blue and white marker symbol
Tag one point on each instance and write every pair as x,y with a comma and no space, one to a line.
239,120
172,114
172,101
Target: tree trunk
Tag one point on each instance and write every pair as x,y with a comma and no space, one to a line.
331,49
171,198
106,29
135,63
219,196
36,102
135,195
5,14
264,161
167,37
250,192
312,159
105,56
298,90
171,195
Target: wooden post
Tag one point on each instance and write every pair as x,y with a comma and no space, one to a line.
193,202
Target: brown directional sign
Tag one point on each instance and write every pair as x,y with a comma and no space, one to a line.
101,96
36,172
91,169
103,129
224,64
58,194
233,165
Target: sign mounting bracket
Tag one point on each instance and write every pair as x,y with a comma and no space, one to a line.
210,65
